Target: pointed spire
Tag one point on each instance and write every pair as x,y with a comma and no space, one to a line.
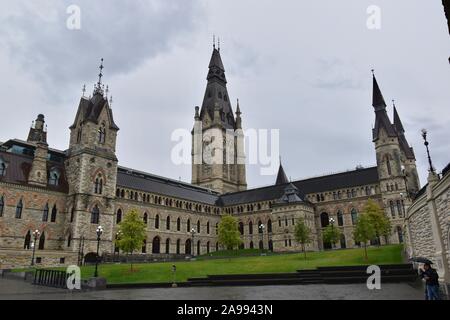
281,176
397,122
238,109
83,89
377,96
99,86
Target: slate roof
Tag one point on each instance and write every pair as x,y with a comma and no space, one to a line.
381,117
90,109
342,180
138,180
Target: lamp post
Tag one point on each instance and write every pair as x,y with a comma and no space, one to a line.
99,234
426,143
261,232
36,235
331,220
193,246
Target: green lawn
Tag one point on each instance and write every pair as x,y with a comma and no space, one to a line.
161,272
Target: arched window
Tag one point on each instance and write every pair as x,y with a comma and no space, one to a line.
42,241
399,208
168,223
102,134
207,227
27,243
260,227
340,218
250,227
53,177
269,226
188,225
207,247
2,205
271,245
199,244
98,186
354,215
144,246
95,215
388,165
54,213
241,228
157,222
178,246
188,246
251,245
178,224
69,240
400,234
198,226
156,245
19,209
324,219
119,216
167,246
45,213
391,205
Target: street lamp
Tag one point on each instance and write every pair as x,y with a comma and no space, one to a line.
261,228
36,235
193,236
426,143
331,220
99,234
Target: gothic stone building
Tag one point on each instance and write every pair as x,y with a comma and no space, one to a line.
67,194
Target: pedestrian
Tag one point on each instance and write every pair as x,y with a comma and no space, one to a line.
431,282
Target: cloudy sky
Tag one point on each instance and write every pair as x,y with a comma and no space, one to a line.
299,66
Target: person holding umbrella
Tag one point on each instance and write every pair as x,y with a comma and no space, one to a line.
431,281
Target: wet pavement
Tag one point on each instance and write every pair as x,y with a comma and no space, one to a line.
17,290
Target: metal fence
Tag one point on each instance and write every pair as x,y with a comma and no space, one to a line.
51,278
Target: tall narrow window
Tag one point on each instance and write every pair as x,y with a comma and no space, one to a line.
388,165
42,241
207,227
95,215
45,213
119,216
157,222
399,208
27,242
69,240
54,212
2,205
340,218
102,134
269,226
72,214
198,226
2,168
98,186
178,224
145,217
168,223
391,205
250,227
354,215
53,177
19,209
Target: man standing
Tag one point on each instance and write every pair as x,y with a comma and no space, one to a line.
431,281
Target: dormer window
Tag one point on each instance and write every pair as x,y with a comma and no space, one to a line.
53,178
102,134
2,167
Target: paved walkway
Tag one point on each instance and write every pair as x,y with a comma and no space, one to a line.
16,289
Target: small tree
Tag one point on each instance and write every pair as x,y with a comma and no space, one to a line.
364,231
331,234
229,235
379,221
131,233
302,234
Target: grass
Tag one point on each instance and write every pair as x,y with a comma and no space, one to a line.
161,272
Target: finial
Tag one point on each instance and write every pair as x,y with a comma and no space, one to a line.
98,88
107,91
214,41
373,72
110,101
100,75
218,43
393,103
84,89
32,124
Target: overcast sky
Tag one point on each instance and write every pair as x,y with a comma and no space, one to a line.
299,66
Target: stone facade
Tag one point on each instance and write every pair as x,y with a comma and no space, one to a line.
66,195
428,224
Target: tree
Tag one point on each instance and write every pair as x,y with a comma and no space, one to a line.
364,231
379,220
331,234
131,233
302,234
229,235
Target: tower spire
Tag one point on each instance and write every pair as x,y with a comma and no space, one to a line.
377,96
397,122
99,87
281,176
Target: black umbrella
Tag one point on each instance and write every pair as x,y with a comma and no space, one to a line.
421,260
